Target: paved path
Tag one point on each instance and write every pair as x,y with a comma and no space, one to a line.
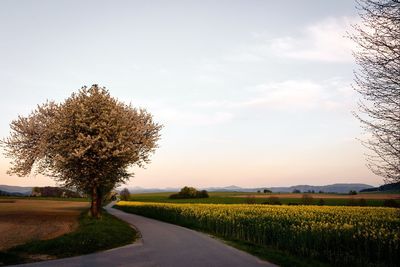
162,244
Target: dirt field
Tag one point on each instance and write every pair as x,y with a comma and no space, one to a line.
25,220
318,196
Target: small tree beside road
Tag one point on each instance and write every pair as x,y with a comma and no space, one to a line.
124,194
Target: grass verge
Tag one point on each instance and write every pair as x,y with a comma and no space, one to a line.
278,257
91,236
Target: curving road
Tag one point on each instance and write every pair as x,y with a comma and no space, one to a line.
162,244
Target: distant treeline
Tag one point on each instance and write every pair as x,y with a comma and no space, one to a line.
190,192
50,191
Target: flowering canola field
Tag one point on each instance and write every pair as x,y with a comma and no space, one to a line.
342,236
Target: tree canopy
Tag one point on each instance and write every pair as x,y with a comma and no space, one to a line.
87,142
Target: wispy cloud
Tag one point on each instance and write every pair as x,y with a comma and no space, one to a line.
323,41
167,112
292,95
200,118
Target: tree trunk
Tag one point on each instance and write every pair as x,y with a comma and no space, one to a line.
99,201
94,210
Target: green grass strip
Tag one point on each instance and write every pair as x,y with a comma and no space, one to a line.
91,236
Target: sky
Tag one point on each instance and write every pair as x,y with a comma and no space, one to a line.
250,93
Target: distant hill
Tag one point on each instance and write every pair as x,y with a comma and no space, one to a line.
383,188
46,191
139,190
11,194
22,190
333,188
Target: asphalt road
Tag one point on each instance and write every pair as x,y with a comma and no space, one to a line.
162,244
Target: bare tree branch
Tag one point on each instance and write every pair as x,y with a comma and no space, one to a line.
378,82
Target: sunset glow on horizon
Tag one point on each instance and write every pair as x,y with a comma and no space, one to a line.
250,93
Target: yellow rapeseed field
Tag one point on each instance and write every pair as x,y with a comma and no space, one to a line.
343,236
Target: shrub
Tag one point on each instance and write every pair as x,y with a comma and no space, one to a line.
391,203
362,202
321,202
357,202
307,199
274,201
202,194
175,196
189,192
351,202
250,200
124,194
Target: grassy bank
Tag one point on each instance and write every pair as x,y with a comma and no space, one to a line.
91,236
339,236
279,257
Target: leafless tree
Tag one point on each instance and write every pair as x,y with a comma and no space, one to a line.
377,80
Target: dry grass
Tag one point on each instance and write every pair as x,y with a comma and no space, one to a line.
331,196
24,220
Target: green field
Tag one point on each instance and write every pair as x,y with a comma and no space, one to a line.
261,198
340,236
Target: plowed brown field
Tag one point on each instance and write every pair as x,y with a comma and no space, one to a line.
24,220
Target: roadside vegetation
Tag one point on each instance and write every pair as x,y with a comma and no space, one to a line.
91,236
340,236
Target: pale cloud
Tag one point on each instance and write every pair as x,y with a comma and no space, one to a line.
287,95
247,54
184,117
331,94
167,112
323,41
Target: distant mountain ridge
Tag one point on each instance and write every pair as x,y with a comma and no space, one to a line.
384,188
332,188
15,190
12,194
